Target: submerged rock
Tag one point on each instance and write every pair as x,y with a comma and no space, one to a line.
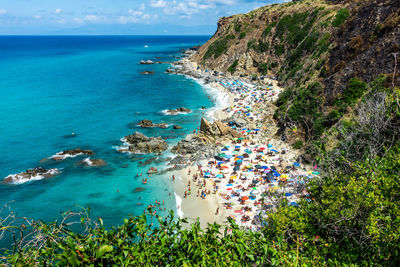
31,174
138,189
138,142
93,162
177,127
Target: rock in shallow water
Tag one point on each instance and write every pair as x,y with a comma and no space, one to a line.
31,174
138,189
138,142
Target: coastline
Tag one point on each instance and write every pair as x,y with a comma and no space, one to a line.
193,207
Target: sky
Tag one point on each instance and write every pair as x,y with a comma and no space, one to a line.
118,16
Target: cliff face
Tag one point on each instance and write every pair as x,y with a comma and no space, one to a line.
317,49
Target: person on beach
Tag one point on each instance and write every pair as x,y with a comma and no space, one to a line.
173,177
217,211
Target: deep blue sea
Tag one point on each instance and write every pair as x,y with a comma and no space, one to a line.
53,86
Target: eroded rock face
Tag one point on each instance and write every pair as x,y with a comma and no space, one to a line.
140,143
31,174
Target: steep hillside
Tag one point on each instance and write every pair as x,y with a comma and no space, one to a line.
325,53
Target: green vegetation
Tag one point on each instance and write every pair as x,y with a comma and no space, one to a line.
218,47
268,29
279,49
232,68
298,144
263,68
242,35
340,17
353,92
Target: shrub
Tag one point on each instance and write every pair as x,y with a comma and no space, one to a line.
298,144
242,35
232,68
340,17
354,91
263,68
279,49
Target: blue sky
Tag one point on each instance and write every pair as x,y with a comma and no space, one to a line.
118,16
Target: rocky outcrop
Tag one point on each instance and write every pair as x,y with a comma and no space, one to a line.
147,62
217,129
147,72
177,127
31,174
71,153
178,111
139,143
150,124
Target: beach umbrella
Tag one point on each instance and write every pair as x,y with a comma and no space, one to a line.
269,145
219,175
296,164
255,181
235,152
221,155
294,204
245,198
265,167
256,130
224,149
237,146
273,150
233,177
248,151
229,185
207,173
261,148
288,194
228,156
240,138
315,173
276,174
225,167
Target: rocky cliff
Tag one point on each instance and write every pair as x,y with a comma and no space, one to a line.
325,53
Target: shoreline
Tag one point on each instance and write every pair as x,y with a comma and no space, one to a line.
193,207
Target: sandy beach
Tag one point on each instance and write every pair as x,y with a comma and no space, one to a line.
250,173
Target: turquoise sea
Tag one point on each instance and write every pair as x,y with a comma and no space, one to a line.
53,86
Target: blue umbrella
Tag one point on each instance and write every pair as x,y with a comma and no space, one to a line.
240,157
273,150
288,194
276,174
239,161
265,167
228,156
219,175
269,145
220,162
294,204
296,164
237,146
224,149
256,130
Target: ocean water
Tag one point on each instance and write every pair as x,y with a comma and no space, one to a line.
53,86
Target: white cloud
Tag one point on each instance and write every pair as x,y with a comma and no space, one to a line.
159,3
61,21
92,18
37,17
58,11
142,7
3,12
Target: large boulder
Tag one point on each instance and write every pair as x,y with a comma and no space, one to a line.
205,126
88,162
138,142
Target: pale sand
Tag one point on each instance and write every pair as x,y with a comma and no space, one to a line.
194,207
